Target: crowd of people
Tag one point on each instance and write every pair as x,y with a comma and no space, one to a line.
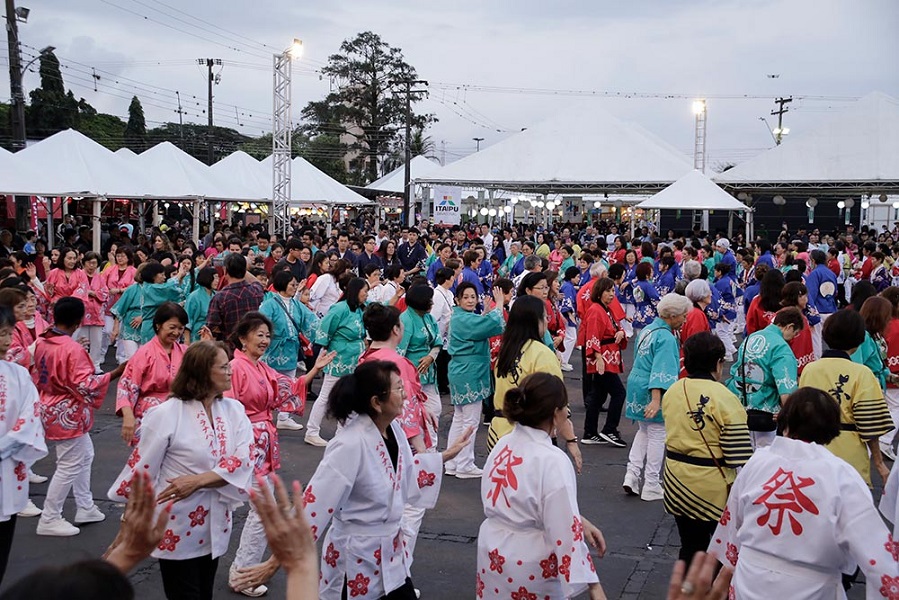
764,386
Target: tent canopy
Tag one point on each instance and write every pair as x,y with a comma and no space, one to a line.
395,181
860,144
585,150
693,191
309,185
241,167
180,175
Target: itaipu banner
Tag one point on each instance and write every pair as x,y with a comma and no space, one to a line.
447,205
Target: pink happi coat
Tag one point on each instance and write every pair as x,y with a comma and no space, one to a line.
116,279
95,306
414,413
20,350
147,380
74,284
262,390
69,389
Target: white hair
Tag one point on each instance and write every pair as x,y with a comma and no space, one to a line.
697,290
692,269
598,270
673,305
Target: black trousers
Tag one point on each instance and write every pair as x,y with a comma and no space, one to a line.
404,592
7,529
586,382
443,371
695,536
602,386
190,579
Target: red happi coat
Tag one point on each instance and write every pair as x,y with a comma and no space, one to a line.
801,345
95,306
583,304
891,335
74,284
412,420
600,328
22,338
116,279
262,390
757,318
496,341
555,322
696,322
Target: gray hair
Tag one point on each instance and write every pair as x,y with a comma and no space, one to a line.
692,269
698,290
515,243
673,305
532,262
598,270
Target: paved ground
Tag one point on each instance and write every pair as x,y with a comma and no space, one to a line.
642,539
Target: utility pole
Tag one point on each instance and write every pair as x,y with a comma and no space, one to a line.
407,177
478,142
22,203
180,118
779,113
210,137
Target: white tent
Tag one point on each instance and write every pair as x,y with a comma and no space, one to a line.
180,175
583,150
860,144
693,191
309,185
394,181
241,167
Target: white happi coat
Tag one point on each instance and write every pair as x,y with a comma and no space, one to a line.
797,518
532,543
356,485
21,436
178,439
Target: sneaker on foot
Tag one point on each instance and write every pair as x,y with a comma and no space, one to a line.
253,592
89,515
315,440
651,493
57,528
567,367
613,439
887,452
631,484
30,510
592,440
35,478
289,424
472,474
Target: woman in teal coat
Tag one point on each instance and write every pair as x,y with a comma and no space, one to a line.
877,313
656,368
155,291
469,370
289,318
197,303
421,344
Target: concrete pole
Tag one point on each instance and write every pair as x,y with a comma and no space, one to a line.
198,205
155,213
51,234
97,204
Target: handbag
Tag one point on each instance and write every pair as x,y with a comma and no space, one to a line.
756,420
727,484
301,353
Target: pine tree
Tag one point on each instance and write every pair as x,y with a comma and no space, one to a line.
136,129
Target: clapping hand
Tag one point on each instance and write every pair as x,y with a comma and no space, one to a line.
698,584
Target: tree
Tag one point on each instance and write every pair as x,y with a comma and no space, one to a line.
136,129
364,114
51,109
422,145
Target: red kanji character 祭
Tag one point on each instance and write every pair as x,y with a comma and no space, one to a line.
783,495
502,474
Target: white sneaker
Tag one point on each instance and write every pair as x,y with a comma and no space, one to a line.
887,452
90,515
652,493
57,528
30,510
289,424
567,367
728,358
35,478
315,440
255,592
631,484
472,474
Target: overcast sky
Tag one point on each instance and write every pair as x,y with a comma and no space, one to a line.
826,50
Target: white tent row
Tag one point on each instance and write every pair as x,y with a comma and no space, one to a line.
419,167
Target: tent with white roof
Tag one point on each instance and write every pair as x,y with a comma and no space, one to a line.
240,166
693,191
395,181
180,175
309,185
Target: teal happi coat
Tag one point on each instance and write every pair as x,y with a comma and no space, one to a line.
197,308
342,331
153,296
286,315
469,350
873,354
420,336
656,366
125,309
770,370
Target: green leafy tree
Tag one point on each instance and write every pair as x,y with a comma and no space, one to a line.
136,129
52,109
422,145
365,113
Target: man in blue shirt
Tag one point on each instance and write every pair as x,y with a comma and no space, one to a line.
822,294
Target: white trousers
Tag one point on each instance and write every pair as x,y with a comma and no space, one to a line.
320,406
891,396
817,330
74,458
464,416
108,323
629,311
647,452
725,333
435,410
762,439
739,326
252,538
124,350
570,339
94,334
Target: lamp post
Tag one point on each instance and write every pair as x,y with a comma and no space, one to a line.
279,220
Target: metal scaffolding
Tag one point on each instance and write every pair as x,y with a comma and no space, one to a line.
279,221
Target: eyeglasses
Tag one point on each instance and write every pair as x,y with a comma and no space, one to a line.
401,390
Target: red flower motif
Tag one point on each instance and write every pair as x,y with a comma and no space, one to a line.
479,588
124,489
496,560
577,528
892,547
198,517
18,425
590,563
232,463
169,541
331,556
378,556
889,587
20,471
134,458
425,479
358,586
550,566
308,496
315,533
523,594
725,516
732,554
565,567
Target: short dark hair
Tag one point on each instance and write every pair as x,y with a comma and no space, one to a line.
790,315
462,287
90,256
236,266
571,273
419,296
293,244
444,274
530,281
353,393
792,292
194,379
470,257
169,310
392,272
7,317
68,311
353,287
379,320
702,351
205,277
282,279
248,324
93,578
844,330
599,288
810,414
818,257
535,400
370,268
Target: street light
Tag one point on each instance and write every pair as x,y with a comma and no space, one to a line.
698,107
22,14
296,49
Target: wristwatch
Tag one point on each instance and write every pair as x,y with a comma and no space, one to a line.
571,441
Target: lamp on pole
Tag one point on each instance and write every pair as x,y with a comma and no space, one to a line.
279,219
478,140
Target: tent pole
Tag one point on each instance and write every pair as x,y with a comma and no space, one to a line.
196,221
155,213
97,206
51,237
